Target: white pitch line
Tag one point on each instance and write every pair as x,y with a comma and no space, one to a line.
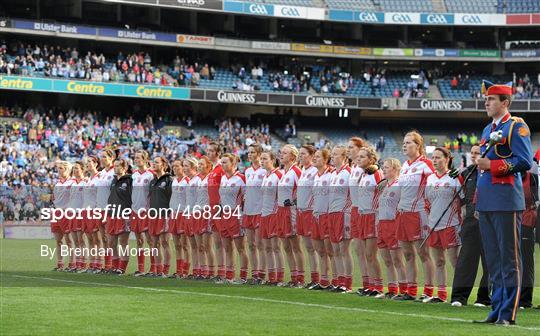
260,299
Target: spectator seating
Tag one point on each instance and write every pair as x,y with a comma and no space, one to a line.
301,3
423,6
362,5
478,6
522,6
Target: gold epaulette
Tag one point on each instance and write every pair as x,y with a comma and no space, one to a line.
518,119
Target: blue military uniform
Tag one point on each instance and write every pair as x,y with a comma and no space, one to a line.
500,203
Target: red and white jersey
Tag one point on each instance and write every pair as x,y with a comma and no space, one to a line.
140,195
103,185
252,195
76,196
304,199
368,192
62,193
340,196
412,180
214,180
388,201
288,184
270,192
192,191
321,192
231,190
439,193
354,180
90,192
203,197
179,193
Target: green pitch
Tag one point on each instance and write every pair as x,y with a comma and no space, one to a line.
35,300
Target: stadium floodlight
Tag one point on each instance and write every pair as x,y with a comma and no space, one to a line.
340,113
327,42
326,112
346,113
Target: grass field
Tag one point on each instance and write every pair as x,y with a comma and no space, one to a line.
35,300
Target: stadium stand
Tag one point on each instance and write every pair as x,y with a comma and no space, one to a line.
479,6
423,6
364,5
303,3
522,6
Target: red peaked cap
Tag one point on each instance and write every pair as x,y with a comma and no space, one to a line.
488,88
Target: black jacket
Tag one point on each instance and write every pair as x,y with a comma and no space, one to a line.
160,191
121,189
469,190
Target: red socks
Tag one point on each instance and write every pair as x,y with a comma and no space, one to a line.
402,288
300,277
185,269
365,282
442,293
315,277
428,290
412,289
378,284
243,273
179,266
280,275
393,288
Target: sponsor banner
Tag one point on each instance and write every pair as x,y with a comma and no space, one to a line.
437,19
316,13
518,19
54,27
352,50
368,17
520,105
280,99
323,48
479,53
430,52
194,39
23,83
137,35
521,53
93,88
201,4
462,19
258,9
440,105
28,231
82,87
402,18
370,103
5,23
393,51
535,19
233,6
534,105
141,2
270,45
340,15
237,97
158,92
196,94
232,43
325,101
291,12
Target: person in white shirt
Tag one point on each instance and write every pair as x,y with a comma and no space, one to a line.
103,185
353,149
412,218
202,220
440,191
190,170
251,215
177,224
61,197
367,204
339,209
140,199
320,230
286,215
268,225
76,203
231,191
91,224
305,218
386,228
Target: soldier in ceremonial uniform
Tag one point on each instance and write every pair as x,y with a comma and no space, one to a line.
500,201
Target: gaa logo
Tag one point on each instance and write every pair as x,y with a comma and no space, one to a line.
368,17
436,19
290,11
471,19
258,9
401,18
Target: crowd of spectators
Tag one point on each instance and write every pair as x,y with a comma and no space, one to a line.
525,87
31,143
70,63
